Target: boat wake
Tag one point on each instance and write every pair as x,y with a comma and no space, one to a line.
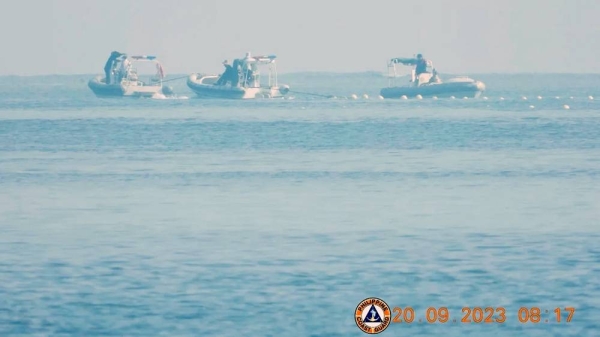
162,96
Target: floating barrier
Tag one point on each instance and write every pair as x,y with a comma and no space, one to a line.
517,101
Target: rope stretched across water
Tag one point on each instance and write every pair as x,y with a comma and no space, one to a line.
311,94
176,78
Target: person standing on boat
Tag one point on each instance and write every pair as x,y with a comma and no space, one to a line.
247,69
227,74
235,73
109,65
421,66
124,70
420,62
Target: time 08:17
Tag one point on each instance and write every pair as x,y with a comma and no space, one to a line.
534,314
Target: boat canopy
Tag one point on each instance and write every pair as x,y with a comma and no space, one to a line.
408,61
143,58
401,60
160,72
261,59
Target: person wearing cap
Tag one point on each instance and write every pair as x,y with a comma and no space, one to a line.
420,62
421,65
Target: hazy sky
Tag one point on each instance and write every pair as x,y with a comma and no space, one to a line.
460,36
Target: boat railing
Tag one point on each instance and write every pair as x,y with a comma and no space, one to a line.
392,73
132,76
250,78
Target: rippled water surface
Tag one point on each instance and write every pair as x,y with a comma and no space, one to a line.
190,217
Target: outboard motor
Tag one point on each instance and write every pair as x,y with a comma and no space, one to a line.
167,90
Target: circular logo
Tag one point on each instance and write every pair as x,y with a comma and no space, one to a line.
372,315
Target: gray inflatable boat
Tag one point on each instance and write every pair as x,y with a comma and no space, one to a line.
429,84
457,87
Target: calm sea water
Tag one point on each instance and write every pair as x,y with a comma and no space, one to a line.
189,217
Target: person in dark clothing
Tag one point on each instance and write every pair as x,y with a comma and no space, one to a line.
235,73
420,62
226,76
109,64
421,65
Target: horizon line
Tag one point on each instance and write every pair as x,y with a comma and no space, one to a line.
330,72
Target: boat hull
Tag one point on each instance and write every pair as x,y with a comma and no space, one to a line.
204,87
456,89
125,89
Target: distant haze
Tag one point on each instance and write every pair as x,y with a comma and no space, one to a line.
459,36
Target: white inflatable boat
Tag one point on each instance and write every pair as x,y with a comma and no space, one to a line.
242,80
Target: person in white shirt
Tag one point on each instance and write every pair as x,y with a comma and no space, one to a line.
124,70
